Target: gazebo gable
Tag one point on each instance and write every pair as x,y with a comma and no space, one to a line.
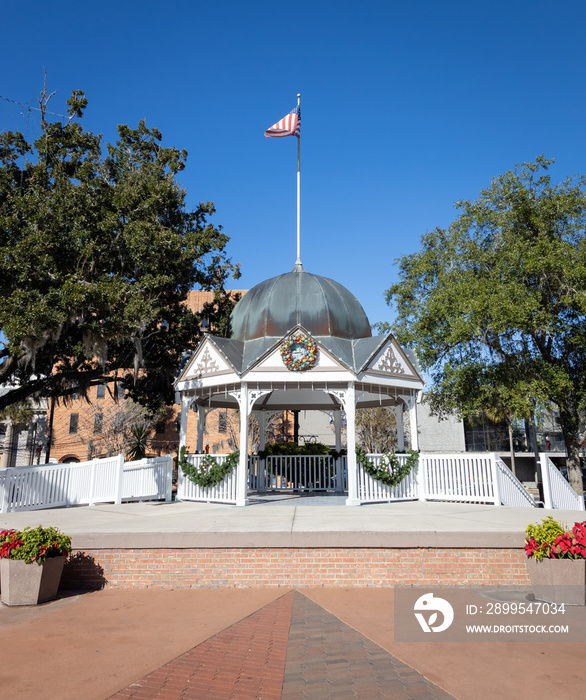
272,360
391,361
206,361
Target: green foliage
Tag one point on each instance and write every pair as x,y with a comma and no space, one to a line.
34,544
550,540
389,472
495,306
97,253
292,448
139,437
218,312
210,473
20,413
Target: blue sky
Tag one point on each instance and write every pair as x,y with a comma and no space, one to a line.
406,108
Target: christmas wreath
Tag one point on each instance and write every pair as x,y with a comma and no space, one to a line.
389,472
209,472
290,352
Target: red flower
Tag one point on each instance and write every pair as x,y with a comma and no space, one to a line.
579,532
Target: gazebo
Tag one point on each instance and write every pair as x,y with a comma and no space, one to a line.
299,341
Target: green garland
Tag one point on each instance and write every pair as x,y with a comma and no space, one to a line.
209,473
390,474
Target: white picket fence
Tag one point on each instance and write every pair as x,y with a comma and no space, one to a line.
109,480
302,473
460,478
372,491
557,492
224,492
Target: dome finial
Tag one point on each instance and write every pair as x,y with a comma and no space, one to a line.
298,267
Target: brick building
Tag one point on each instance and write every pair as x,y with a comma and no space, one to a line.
94,427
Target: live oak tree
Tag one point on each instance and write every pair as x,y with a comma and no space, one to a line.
495,306
97,253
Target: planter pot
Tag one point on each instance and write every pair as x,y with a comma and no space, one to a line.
558,580
30,584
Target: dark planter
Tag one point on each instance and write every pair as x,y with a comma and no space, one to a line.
30,584
558,580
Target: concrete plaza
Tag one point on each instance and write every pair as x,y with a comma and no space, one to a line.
268,642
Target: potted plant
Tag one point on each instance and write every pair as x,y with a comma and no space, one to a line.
556,561
31,564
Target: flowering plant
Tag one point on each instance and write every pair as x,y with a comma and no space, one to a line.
550,540
34,544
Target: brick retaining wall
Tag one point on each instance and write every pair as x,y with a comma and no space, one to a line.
241,567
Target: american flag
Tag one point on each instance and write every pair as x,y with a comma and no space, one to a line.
287,126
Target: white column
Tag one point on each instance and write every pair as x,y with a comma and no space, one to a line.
339,460
398,411
202,414
413,423
246,400
242,477
350,408
183,421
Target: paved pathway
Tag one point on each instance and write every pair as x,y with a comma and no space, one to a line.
291,649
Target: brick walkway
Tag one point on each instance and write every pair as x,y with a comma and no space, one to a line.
290,649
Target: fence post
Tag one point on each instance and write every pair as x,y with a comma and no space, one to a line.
4,493
119,479
92,482
495,478
421,481
545,480
169,479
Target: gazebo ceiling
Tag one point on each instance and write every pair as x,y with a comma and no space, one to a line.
292,399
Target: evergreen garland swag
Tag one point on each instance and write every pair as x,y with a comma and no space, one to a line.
389,472
209,473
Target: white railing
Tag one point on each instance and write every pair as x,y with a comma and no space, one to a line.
107,480
372,491
463,478
148,479
460,478
32,488
510,490
557,492
304,473
224,492
275,473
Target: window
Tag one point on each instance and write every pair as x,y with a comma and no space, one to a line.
98,422
73,423
223,422
101,393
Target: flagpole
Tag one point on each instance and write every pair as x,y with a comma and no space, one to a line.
298,261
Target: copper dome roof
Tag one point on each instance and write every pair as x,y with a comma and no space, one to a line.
276,306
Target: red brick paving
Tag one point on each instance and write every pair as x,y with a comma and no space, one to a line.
292,649
247,660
